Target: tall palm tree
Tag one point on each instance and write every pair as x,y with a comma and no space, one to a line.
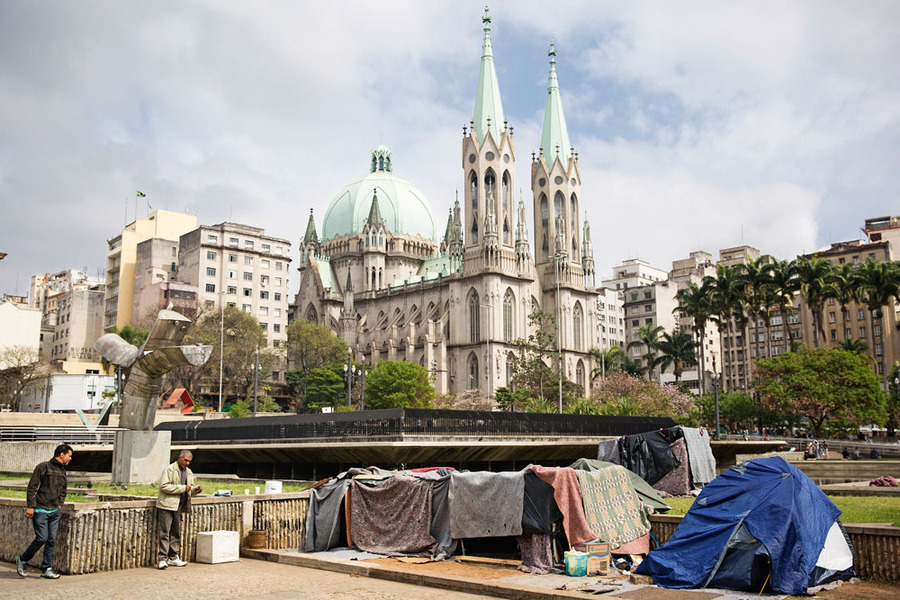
784,284
816,277
607,360
694,303
756,280
648,336
724,295
678,350
847,289
879,283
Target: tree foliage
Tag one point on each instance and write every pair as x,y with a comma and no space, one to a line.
821,384
312,346
398,384
21,366
624,394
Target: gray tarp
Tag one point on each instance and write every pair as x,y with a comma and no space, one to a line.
485,504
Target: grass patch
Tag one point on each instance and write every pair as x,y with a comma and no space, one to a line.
856,509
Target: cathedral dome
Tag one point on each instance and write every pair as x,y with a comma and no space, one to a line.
403,206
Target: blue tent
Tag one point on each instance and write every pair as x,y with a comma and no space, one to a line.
761,521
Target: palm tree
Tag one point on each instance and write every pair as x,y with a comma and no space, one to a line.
816,277
847,289
783,274
879,283
607,360
724,294
694,303
678,350
648,336
757,282
857,346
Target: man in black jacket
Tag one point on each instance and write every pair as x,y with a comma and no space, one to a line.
46,494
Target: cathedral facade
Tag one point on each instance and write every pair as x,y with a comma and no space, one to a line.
394,288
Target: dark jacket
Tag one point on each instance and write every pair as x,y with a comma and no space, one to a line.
48,485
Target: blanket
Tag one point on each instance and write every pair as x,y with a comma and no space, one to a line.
323,525
611,506
392,517
676,482
537,555
484,504
703,463
440,510
567,493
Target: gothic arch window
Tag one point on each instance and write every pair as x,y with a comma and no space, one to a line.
579,375
380,323
373,279
545,248
414,314
506,239
507,193
489,181
381,163
380,279
573,212
544,214
474,231
473,372
534,305
578,325
509,308
474,318
311,316
574,253
473,193
559,204
510,367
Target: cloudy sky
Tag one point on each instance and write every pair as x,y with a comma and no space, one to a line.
699,125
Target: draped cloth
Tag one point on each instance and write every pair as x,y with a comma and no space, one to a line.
323,527
440,510
676,482
703,463
392,517
611,506
537,555
608,450
567,492
485,504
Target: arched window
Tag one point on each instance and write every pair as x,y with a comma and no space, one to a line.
474,231
507,198
509,307
510,367
473,372
545,248
473,192
506,239
311,316
573,212
579,375
489,182
381,163
544,214
577,325
474,318
559,204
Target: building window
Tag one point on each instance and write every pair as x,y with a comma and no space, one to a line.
848,333
265,326
508,316
212,239
278,265
860,315
278,281
248,292
245,308
233,242
647,295
264,295
862,333
635,323
248,244
266,248
248,276
833,334
474,318
264,310
832,318
648,308
879,350
277,312
876,330
210,255
579,375
265,264
276,376
248,260
577,325
775,321
278,250
473,371
211,271
232,258
232,289
648,321
210,287
276,327
277,296
264,280
793,320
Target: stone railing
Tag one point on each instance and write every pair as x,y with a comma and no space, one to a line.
106,536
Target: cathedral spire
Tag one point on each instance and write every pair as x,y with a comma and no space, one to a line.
488,107
555,135
374,219
587,255
310,235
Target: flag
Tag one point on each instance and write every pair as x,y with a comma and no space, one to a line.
141,194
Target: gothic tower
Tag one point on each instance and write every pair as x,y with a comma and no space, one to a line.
489,159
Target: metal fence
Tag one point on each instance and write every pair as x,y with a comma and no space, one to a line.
398,424
59,434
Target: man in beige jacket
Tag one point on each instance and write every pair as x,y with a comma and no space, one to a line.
176,486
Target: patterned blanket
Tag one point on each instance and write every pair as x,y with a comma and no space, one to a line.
393,517
611,507
677,481
567,493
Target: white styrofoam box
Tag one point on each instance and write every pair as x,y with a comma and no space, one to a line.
273,487
218,547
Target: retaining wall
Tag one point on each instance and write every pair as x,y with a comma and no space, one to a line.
23,457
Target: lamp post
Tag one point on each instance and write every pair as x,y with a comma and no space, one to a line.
221,342
560,256
255,379
349,370
716,393
362,392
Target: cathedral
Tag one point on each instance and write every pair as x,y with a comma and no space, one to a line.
394,288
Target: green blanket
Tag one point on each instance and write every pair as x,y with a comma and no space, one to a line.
611,506
647,494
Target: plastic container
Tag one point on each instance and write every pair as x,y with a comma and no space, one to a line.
576,563
273,487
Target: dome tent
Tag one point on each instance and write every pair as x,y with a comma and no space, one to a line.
761,521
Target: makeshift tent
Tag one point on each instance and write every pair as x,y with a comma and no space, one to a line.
646,493
760,519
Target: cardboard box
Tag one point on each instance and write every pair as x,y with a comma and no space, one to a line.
598,557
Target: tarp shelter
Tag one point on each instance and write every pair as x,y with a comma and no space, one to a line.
187,404
760,519
647,494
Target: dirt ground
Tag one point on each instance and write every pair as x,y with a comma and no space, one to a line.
863,590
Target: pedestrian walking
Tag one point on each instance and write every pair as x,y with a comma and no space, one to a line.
176,486
44,499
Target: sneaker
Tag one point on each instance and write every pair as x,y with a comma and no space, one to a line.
176,562
50,574
20,567
162,564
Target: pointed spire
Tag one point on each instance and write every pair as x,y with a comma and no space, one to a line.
587,255
555,136
523,251
349,286
310,235
374,219
488,107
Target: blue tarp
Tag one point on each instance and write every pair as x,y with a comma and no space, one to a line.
768,498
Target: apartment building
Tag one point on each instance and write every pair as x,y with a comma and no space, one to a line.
243,265
20,326
610,318
121,259
156,283
79,323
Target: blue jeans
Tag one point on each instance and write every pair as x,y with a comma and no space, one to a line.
45,527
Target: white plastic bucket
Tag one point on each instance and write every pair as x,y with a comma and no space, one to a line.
273,487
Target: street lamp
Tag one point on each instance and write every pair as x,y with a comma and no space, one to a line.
221,342
349,371
560,257
255,378
362,392
716,393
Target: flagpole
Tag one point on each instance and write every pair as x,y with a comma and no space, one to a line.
135,207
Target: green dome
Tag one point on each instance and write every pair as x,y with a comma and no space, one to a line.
404,207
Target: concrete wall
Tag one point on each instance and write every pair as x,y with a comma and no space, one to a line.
23,457
106,536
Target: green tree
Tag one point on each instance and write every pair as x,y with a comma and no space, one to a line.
784,283
648,339
694,303
855,345
532,374
313,346
893,400
397,384
678,350
724,289
821,384
879,283
736,410
624,394
319,387
816,278
21,367
756,276
509,400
